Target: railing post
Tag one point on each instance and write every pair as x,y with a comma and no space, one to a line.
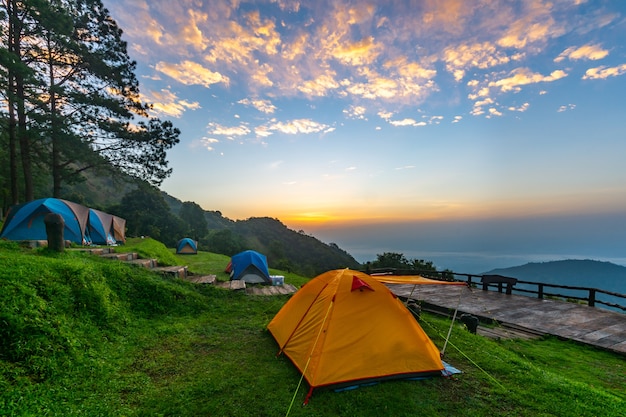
592,297
540,291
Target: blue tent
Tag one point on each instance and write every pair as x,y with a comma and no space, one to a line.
100,227
26,221
250,266
187,246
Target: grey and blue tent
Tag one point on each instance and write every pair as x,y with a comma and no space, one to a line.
26,221
100,228
250,266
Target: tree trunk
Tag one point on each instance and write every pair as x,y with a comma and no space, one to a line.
25,152
57,174
12,123
15,36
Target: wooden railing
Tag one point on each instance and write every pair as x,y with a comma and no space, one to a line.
539,290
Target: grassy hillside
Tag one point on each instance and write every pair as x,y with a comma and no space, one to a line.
84,336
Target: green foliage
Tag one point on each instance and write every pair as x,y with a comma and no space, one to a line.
83,336
224,241
149,248
193,215
399,261
286,248
147,214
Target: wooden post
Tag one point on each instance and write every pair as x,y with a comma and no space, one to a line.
540,291
54,229
592,297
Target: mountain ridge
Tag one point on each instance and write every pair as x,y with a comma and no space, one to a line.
572,272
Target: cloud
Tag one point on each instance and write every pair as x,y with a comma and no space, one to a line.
386,115
406,122
460,58
400,54
362,52
166,103
494,112
191,73
565,108
319,86
524,76
263,131
435,120
521,108
590,52
208,143
356,112
294,127
604,72
264,106
531,27
229,131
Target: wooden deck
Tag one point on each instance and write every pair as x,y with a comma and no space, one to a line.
590,325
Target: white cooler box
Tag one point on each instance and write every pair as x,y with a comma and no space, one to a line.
277,279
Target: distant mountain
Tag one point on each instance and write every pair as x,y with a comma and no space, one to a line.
574,272
311,256
285,249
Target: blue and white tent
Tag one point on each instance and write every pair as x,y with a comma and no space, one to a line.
250,266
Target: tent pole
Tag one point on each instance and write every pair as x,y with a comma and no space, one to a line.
411,293
443,351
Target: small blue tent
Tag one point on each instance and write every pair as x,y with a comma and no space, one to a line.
250,266
187,246
100,227
26,221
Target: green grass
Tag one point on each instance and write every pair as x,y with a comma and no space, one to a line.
83,336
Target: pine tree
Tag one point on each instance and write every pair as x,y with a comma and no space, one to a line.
73,95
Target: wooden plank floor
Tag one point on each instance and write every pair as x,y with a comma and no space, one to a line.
591,325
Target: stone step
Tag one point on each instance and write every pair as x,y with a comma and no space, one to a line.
175,271
129,256
272,290
146,263
202,279
98,251
236,284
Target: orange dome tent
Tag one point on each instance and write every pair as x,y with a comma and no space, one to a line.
345,328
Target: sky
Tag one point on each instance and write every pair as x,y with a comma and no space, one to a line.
494,130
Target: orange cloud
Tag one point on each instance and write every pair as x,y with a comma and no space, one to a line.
320,85
362,52
591,52
261,105
604,72
459,58
165,102
191,73
524,76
